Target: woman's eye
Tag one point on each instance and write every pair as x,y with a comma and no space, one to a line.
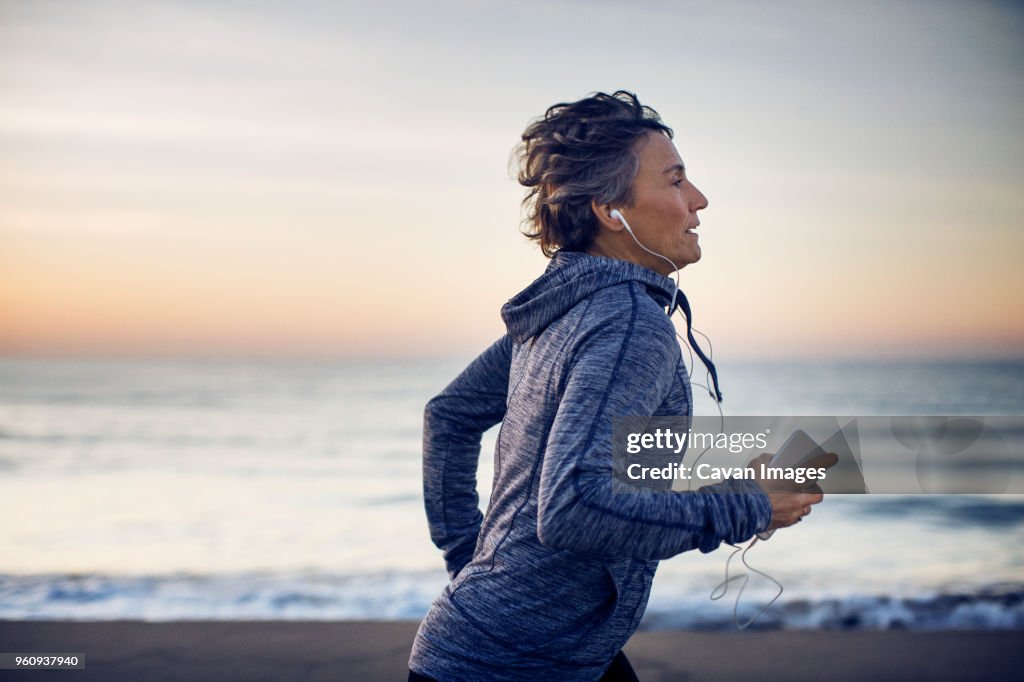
678,183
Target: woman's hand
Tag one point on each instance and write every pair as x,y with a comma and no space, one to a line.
791,501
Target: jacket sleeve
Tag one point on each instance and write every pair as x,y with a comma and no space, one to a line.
453,424
625,366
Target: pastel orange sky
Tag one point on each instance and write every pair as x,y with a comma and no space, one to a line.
205,178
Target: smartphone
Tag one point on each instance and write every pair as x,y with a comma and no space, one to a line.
798,450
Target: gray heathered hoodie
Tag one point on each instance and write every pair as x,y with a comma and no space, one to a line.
555,578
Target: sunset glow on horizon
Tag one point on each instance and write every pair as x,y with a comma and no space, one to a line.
208,178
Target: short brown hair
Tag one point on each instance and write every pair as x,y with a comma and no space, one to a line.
576,153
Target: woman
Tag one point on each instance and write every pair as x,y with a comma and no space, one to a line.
552,582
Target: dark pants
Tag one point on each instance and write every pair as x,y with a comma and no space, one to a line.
619,671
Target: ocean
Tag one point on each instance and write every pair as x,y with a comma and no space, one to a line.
218,489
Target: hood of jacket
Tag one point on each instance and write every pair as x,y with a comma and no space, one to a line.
570,278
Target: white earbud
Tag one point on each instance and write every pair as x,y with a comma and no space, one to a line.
616,214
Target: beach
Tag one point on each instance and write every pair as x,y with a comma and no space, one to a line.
367,650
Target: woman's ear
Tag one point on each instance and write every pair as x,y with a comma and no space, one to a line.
603,213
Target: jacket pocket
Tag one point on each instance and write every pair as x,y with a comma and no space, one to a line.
643,573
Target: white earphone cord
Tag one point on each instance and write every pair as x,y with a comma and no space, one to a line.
724,585
722,588
616,213
672,307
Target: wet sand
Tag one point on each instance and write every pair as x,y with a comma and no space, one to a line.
288,650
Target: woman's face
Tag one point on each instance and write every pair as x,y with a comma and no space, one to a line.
665,204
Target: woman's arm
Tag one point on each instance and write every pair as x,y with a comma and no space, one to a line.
453,424
625,366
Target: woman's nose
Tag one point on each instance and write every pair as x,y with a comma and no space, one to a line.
699,201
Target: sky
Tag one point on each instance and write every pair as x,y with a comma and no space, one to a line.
333,180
